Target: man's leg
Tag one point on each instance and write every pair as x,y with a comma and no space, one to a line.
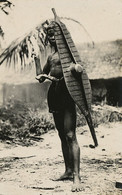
59,122
70,129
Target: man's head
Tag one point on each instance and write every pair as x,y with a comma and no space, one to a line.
51,34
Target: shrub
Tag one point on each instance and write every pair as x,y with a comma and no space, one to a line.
19,121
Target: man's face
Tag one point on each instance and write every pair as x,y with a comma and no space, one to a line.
51,36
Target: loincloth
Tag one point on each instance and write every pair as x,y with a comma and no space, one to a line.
58,97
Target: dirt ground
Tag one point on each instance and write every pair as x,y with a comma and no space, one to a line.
31,170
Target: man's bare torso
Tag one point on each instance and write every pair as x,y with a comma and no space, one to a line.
55,66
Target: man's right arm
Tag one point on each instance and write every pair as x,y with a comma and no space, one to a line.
46,68
40,77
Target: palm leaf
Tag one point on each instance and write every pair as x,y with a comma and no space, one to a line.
5,4
24,46
19,53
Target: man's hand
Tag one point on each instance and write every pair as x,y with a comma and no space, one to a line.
41,78
76,67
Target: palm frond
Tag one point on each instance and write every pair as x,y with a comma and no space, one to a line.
5,4
82,26
1,32
19,52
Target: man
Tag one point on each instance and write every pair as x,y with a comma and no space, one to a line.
64,113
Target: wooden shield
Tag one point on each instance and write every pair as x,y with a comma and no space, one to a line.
80,90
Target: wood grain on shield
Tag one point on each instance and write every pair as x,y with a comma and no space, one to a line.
79,89
67,55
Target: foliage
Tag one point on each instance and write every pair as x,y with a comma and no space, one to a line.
100,115
40,122
5,4
19,54
1,32
5,130
18,121
21,51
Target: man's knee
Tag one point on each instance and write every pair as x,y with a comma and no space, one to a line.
71,136
62,135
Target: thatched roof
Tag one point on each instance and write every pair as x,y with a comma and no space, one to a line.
104,61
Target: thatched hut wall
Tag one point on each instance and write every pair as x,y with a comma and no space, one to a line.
103,64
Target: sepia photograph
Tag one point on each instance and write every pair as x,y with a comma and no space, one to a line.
60,97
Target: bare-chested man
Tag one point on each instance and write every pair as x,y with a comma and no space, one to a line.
64,112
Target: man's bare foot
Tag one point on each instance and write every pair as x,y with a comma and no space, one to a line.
65,176
77,186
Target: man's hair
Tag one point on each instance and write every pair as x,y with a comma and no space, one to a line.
46,29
